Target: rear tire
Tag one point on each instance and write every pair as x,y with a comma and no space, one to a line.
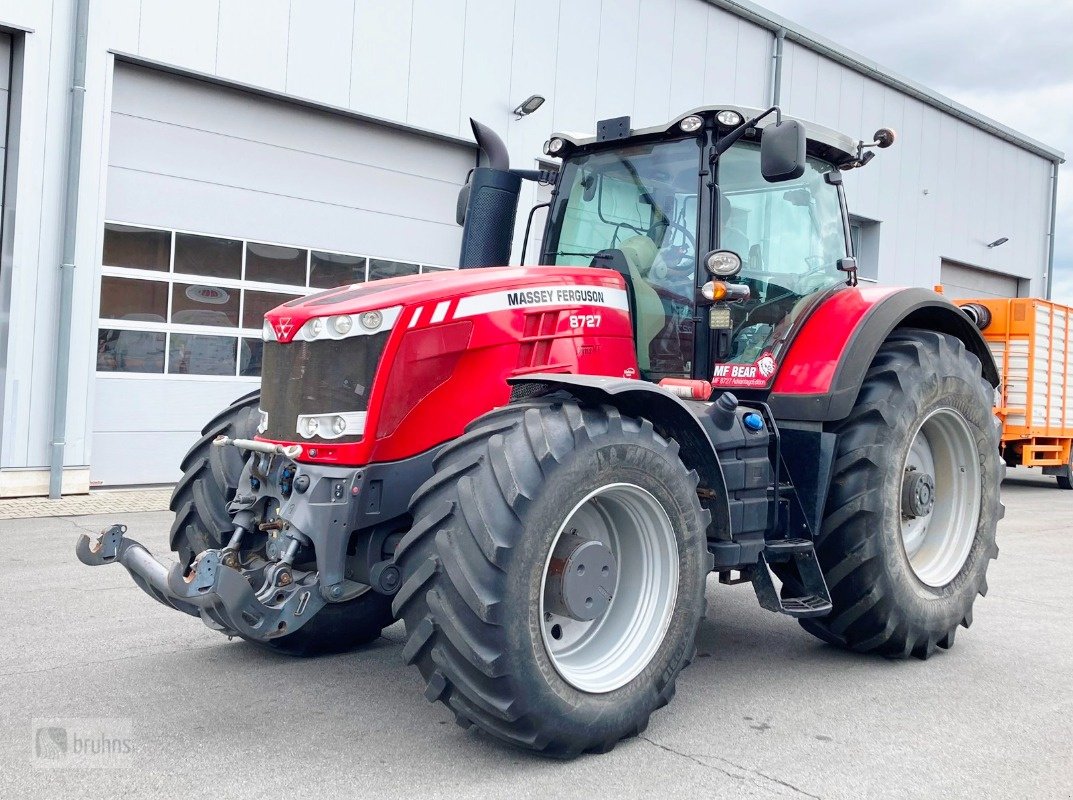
901,585
210,476
475,563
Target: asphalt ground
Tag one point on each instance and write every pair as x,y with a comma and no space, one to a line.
765,711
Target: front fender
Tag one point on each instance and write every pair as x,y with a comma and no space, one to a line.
822,372
671,416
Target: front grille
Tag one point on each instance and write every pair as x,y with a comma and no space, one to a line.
322,377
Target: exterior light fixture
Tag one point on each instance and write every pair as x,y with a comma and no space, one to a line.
999,242
528,105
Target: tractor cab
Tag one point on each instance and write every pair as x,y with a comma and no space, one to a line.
723,244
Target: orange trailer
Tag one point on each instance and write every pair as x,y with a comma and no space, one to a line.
1030,340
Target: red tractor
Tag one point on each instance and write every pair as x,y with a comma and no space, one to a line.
536,468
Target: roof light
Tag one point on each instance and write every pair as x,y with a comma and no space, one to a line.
691,123
555,145
342,324
729,118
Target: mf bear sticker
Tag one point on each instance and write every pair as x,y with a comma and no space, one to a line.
745,376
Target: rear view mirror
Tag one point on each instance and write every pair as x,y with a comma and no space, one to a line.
782,151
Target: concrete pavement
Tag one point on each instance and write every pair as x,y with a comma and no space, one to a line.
766,711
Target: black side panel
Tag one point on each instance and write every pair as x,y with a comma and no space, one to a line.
909,308
386,488
808,455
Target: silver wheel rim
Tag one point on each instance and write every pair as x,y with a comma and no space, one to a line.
606,653
938,543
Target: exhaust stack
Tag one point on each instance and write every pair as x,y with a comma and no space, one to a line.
488,204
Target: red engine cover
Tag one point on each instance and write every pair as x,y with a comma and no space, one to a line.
457,339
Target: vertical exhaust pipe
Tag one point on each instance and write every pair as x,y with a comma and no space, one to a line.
488,204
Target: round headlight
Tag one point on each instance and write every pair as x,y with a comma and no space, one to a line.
316,326
691,123
729,118
555,145
338,425
723,263
343,324
371,320
311,426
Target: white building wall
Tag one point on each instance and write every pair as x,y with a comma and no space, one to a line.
432,64
942,191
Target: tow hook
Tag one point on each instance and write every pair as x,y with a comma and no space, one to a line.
221,594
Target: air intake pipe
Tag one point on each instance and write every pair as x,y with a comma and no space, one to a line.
488,204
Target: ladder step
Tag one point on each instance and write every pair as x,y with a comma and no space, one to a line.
810,606
783,549
802,554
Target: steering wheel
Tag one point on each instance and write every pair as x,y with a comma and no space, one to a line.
691,240
815,278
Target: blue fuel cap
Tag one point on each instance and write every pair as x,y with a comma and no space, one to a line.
753,421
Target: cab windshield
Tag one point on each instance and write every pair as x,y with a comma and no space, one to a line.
790,237
642,201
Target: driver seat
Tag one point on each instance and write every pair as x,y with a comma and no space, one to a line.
640,252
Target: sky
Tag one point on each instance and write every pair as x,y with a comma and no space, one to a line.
1010,61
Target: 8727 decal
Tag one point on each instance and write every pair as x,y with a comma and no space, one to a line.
745,376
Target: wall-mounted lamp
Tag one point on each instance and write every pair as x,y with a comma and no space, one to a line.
998,242
528,106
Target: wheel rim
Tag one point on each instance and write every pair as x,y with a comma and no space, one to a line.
606,653
938,537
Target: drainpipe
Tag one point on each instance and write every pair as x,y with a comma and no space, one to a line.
67,265
1050,233
776,72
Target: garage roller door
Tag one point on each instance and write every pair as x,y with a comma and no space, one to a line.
221,204
960,281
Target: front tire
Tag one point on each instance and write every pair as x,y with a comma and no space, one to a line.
905,558
199,501
524,488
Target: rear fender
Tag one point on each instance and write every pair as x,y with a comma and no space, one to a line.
670,416
822,372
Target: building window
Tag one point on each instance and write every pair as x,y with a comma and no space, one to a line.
179,303
379,268
208,255
328,270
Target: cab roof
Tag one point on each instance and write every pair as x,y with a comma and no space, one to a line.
833,145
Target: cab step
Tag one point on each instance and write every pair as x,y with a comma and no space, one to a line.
816,599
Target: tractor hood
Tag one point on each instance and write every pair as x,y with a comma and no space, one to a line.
443,296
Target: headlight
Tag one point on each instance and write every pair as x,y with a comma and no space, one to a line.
555,145
723,263
343,327
691,123
371,320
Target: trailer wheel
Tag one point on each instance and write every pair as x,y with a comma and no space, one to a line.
553,580
909,527
1065,477
210,476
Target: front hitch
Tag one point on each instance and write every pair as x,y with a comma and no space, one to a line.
223,596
